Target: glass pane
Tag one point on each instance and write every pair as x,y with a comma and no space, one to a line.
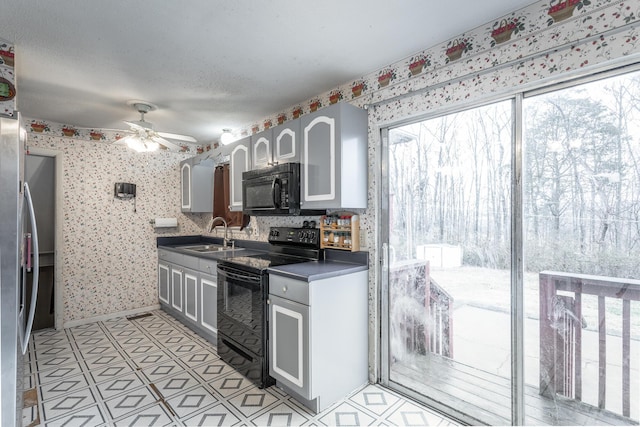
582,246
449,273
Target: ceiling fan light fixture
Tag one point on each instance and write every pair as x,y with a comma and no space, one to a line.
227,137
152,146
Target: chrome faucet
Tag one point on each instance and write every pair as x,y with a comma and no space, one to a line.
213,221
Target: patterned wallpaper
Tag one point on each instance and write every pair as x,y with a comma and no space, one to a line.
543,41
108,250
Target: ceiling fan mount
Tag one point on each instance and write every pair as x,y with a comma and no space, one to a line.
144,138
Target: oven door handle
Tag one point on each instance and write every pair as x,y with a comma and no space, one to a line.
275,195
239,277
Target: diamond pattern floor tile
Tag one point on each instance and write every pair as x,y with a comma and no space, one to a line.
65,385
106,373
217,415
189,402
281,415
375,399
129,402
152,370
58,373
252,401
176,384
91,416
163,370
67,404
119,385
156,415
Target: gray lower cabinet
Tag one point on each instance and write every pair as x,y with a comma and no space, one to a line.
187,290
318,337
163,282
289,344
209,303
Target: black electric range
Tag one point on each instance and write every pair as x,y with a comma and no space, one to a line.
243,287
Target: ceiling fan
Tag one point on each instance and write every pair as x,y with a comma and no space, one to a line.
142,136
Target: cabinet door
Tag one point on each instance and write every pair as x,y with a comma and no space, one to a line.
163,283
289,344
176,288
286,142
191,296
209,303
319,162
202,187
185,186
261,148
238,163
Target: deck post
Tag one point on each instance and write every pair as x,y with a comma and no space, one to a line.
547,341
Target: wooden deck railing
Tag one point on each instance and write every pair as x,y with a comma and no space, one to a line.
420,309
561,324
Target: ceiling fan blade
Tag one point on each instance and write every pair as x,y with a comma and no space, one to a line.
168,144
185,138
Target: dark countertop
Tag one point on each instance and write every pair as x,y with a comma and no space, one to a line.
316,270
335,262
242,247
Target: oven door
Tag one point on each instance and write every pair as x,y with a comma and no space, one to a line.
241,300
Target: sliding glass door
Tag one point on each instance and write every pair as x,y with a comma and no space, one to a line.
551,337
449,261
581,198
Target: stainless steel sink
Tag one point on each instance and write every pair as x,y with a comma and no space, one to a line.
208,248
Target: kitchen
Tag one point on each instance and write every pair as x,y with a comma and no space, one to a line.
92,221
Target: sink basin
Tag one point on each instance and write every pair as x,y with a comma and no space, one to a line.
207,248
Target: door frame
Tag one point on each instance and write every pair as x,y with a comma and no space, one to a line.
58,233
517,316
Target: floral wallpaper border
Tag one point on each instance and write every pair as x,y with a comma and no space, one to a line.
49,128
7,79
540,27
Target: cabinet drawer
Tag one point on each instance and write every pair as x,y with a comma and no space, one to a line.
191,262
291,289
170,257
208,266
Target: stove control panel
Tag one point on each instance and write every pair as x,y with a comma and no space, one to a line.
309,237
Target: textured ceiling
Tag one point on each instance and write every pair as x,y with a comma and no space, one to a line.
212,64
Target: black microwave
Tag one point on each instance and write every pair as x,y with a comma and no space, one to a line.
274,190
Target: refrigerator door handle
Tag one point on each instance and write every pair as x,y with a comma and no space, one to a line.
36,270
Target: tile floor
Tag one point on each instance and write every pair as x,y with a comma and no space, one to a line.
154,371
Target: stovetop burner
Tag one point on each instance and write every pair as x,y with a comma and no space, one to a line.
288,246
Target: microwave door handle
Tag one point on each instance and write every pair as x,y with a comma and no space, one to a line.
275,195
36,270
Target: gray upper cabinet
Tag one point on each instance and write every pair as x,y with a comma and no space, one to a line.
334,158
196,185
185,185
286,142
280,144
261,149
239,161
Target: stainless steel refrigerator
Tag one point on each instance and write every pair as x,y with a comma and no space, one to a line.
18,255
